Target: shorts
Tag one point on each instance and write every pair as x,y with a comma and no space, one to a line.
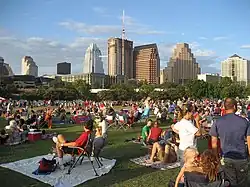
181,157
68,150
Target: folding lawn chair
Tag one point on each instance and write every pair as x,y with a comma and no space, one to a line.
88,151
191,181
122,123
112,123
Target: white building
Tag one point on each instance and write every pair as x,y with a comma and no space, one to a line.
209,77
29,67
93,61
237,68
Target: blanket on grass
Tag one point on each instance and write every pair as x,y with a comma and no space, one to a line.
156,165
79,175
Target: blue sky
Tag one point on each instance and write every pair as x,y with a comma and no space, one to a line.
52,31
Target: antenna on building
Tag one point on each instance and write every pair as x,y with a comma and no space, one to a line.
123,25
123,63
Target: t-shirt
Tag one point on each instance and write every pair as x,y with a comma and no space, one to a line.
155,133
83,139
232,131
187,132
145,130
104,126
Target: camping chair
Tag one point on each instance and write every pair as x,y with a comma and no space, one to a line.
88,151
122,122
111,121
191,181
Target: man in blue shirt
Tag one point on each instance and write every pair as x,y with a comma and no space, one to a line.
233,131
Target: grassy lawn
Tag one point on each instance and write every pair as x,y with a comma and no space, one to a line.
125,173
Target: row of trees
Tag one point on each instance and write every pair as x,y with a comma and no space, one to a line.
131,91
195,89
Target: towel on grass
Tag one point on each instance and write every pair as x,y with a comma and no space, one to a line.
156,165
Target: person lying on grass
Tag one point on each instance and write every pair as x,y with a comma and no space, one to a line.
63,146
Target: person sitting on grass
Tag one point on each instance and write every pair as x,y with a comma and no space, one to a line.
63,146
203,170
154,134
145,131
3,137
163,152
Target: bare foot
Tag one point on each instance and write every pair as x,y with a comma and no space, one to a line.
149,161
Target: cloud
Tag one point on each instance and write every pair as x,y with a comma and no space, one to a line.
203,53
194,45
245,46
90,29
218,38
132,27
47,53
203,38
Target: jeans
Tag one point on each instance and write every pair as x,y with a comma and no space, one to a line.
236,171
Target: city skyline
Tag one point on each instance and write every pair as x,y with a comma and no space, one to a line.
29,29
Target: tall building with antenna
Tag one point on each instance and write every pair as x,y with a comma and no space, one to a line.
120,55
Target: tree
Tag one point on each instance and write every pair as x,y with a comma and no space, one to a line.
83,89
234,90
57,83
198,89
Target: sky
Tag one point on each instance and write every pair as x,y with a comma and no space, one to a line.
53,31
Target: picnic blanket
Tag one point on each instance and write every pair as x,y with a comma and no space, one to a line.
79,175
156,165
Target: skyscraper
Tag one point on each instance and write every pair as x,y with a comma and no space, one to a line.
120,60
182,66
93,61
237,68
29,67
63,68
163,75
5,69
147,63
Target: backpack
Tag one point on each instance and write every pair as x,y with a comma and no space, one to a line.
46,166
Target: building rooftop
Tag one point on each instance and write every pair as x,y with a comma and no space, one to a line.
235,55
153,45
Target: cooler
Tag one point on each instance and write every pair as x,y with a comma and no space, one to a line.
34,136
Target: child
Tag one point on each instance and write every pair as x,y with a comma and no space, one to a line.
190,164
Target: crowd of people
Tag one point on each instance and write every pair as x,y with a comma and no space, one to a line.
226,123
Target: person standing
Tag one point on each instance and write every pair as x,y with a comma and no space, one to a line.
186,130
48,118
232,130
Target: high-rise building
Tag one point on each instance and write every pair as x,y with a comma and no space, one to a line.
93,60
237,68
120,57
182,66
5,69
147,63
163,75
29,67
63,68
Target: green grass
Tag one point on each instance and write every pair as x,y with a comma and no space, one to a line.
125,173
